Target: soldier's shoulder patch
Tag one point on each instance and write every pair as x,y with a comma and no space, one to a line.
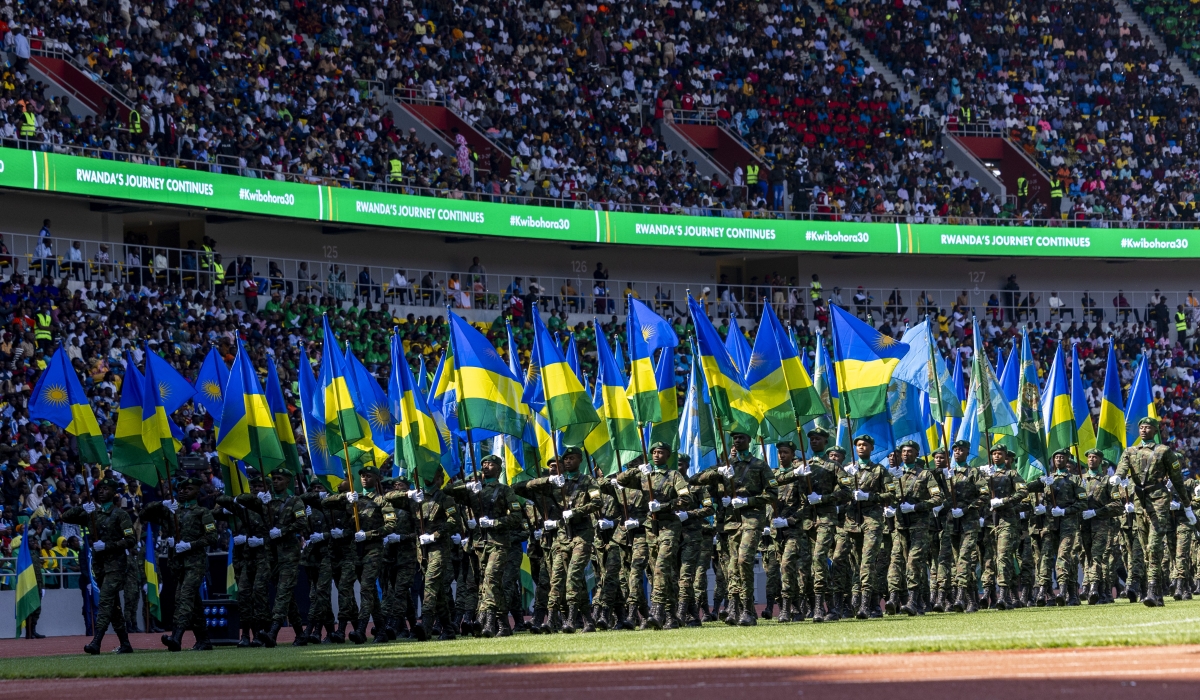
298,513
210,527
515,505
128,532
847,481
773,483
451,510
389,515
685,490
708,503
594,493
893,485
934,489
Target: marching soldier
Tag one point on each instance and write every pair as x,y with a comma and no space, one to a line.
859,539
287,522
1068,499
318,566
916,494
405,566
343,556
375,520
251,556
110,531
968,498
1098,531
787,524
695,542
437,520
1006,491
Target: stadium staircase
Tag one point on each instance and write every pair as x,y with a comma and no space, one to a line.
1131,16
437,122
714,148
89,94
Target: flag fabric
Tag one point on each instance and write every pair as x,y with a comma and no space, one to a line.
646,332
28,597
908,411
666,428
58,397
210,384
87,584
1140,403
231,587
328,467
567,404
864,360
959,396
878,426
825,382
442,398
738,347
489,396
1010,378
247,424
150,565
283,422
570,353
173,390
157,434
342,427
1057,414
733,404
924,368
971,430
1031,428
129,454
1111,438
778,380
598,443
528,587
417,443
697,438
995,412
371,405
1085,430
614,406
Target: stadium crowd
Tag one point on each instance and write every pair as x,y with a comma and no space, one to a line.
574,92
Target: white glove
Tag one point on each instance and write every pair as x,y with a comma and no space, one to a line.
1176,505
550,524
275,533
486,522
654,506
1190,515
171,505
568,514
802,470
938,509
725,501
956,512
1114,480
98,546
814,498
265,497
471,523
861,495
89,507
1039,509
419,496
352,496
317,537
632,524
456,538
308,511
646,469
537,534
1057,512
465,542
682,515
605,524
889,512
558,480
1089,514
986,470
1129,508
337,533
981,521
779,523
725,471
181,547
1046,479
1124,483
426,539
850,469
239,539
170,543
614,483
907,507
766,532
254,541
360,536
997,502
475,487
1021,515
739,502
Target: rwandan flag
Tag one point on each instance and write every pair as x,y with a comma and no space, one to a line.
1140,403
150,562
864,360
58,397
697,437
599,442
328,467
519,454
442,398
612,403
247,424
157,435
129,454
1057,413
646,332
342,427
28,598
738,347
567,404
778,380
1031,434
210,384
666,429
371,404
732,402
173,390
283,423
1084,429
417,443
1111,437
924,368
231,587
489,396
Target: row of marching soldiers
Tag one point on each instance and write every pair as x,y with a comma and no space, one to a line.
838,538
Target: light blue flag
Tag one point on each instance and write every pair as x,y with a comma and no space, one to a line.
924,368
696,440
877,426
970,431
907,406
210,384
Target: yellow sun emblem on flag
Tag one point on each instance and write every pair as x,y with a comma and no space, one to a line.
211,389
164,389
55,395
380,417
321,442
756,360
647,332
883,342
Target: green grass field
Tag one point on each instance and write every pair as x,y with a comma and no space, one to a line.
1122,624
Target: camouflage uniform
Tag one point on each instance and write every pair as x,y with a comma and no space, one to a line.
1131,554
135,580
1099,534
286,513
860,537
251,560
795,550
438,515
343,560
918,487
695,548
318,567
400,552
197,528
1149,467
376,518
607,564
821,526
496,502
967,493
1179,546
1059,535
109,524
1004,520
669,489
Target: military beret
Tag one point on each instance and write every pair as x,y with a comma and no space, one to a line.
187,481
1094,451
738,432
572,451
835,448
998,448
318,484
786,443
910,443
965,444
386,481
284,471
492,459
552,460
940,451
373,471
1148,420
866,438
254,476
1066,452
660,445
109,482
819,432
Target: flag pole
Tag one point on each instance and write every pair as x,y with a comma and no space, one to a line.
345,447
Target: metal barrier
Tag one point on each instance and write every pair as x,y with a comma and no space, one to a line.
57,572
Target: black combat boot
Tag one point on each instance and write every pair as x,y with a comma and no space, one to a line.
709,615
656,618
381,635
1151,600
747,618
31,626
173,640
959,603
1025,596
985,600
447,634
683,614
247,635
849,610
490,624
1060,598
1187,589
589,625
864,605
785,611
338,635
733,613
1178,595
835,608
819,610
569,624
553,622
358,632
1073,597
695,617
1039,596
892,606
1002,602
202,643
93,647
539,619
972,603
123,646
670,619
913,605
769,610
600,617
392,626
629,621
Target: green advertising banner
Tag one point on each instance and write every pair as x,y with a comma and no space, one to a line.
97,177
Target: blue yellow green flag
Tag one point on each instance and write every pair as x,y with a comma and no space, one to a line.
732,402
666,428
647,332
1111,438
738,347
864,360
924,368
1140,403
1085,430
150,566
778,380
1057,414
129,454
342,427
418,444
247,424
1031,429
173,389
371,405
567,404
157,435
614,407
329,468
489,396
697,436
28,597
58,397
210,384
283,422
